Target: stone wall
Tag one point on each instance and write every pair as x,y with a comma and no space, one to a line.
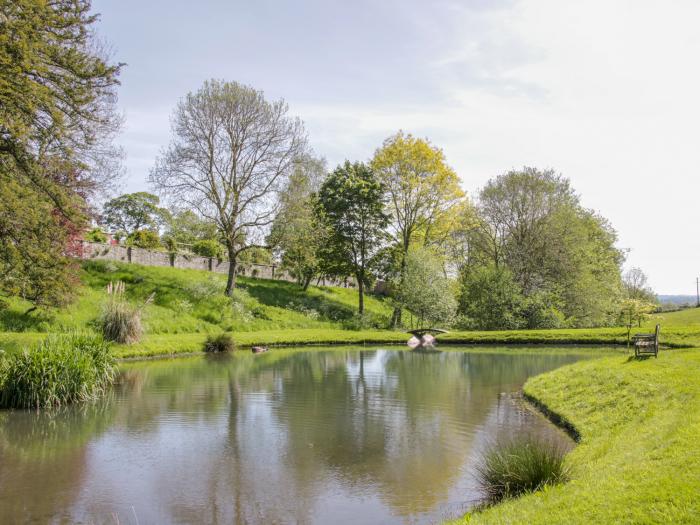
117,252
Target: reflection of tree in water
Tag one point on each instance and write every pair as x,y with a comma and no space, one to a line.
43,459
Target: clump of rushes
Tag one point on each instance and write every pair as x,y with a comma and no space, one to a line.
222,342
60,370
518,466
120,321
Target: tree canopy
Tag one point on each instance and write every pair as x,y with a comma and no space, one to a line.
230,155
57,119
351,203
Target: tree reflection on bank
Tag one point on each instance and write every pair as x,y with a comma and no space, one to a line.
289,436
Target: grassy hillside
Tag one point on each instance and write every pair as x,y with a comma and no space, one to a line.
638,458
192,301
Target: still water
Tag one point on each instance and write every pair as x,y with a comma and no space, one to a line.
315,436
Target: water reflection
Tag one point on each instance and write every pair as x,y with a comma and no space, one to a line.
287,437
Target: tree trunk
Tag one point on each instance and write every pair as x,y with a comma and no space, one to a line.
232,269
396,315
307,281
361,297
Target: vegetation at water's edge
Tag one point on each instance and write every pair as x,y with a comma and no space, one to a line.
638,455
219,343
62,369
520,465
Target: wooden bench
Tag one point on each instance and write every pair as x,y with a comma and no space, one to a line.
647,344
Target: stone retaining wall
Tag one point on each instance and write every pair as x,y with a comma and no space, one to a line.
117,252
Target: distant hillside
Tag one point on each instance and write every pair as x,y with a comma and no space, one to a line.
677,299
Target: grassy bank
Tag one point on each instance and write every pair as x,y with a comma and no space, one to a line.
639,455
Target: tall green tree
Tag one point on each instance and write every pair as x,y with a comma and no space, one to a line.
425,291
562,257
57,119
351,204
297,234
422,194
133,212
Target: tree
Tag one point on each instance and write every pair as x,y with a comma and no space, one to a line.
562,256
351,204
186,227
635,283
633,311
229,157
146,239
57,120
421,191
297,234
425,291
133,212
491,299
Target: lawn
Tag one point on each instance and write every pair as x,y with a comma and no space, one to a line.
639,456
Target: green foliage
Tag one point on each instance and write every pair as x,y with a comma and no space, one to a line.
62,369
425,291
351,205
96,235
56,121
208,248
521,465
222,342
134,212
562,257
35,244
491,299
120,321
146,239
297,235
186,227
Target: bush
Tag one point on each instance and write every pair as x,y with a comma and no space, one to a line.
146,239
62,369
96,235
222,342
208,248
522,465
120,321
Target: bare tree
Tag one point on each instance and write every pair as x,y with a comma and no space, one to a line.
230,155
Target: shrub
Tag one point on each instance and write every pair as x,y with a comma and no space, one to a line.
62,369
96,235
208,248
146,239
522,465
120,321
222,342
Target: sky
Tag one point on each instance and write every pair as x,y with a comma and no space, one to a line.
607,93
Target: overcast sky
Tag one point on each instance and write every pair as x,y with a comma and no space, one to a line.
605,92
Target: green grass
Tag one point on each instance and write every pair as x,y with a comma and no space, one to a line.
192,301
639,456
61,369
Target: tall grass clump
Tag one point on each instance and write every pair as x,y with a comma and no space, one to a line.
525,464
61,369
121,321
222,342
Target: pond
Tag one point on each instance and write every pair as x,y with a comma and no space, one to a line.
351,435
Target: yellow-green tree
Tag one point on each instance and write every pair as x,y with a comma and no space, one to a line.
423,194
